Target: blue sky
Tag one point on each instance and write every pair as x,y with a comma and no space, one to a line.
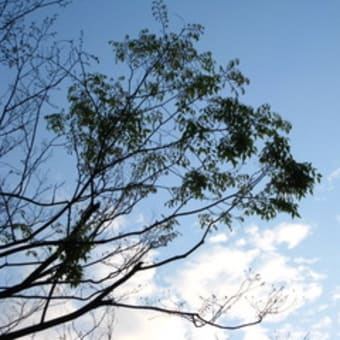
290,50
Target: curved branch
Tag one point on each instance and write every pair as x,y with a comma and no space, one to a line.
195,318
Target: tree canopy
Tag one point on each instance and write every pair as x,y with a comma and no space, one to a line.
172,129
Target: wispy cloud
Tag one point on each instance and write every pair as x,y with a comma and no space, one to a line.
320,329
333,176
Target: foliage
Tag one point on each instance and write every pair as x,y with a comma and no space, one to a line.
173,129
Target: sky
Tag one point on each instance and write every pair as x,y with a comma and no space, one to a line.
290,51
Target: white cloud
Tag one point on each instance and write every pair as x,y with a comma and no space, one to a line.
291,234
256,332
336,294
220,269
241,242
218,238
131,325
275,268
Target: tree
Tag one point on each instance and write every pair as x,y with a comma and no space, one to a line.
172,130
